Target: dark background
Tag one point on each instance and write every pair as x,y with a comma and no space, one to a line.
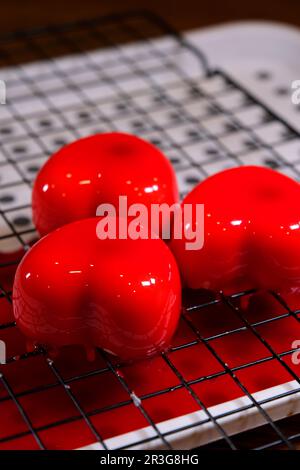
182,14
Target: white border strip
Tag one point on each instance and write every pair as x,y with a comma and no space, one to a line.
202,434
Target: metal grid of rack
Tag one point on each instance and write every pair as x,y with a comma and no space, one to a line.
113,74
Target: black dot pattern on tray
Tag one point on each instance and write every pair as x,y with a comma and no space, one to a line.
45,123
282,91
6,130
20,149
193,133
195,92
121,106
175,116
84,115
7,198
21,220
33,168
59,142
159,98
211,151
263,75
155,141
192,179
247,101
231,127
212,110
267,117
250,143
271,163
137,124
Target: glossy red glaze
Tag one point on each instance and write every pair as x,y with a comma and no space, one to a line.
252,233
98,169
121,295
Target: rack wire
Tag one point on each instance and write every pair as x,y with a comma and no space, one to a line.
114,74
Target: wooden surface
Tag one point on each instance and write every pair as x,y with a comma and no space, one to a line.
182,15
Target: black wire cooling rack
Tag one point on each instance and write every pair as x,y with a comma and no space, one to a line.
114,74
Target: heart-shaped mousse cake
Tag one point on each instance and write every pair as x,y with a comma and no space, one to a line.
97,170
120,295
251,233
